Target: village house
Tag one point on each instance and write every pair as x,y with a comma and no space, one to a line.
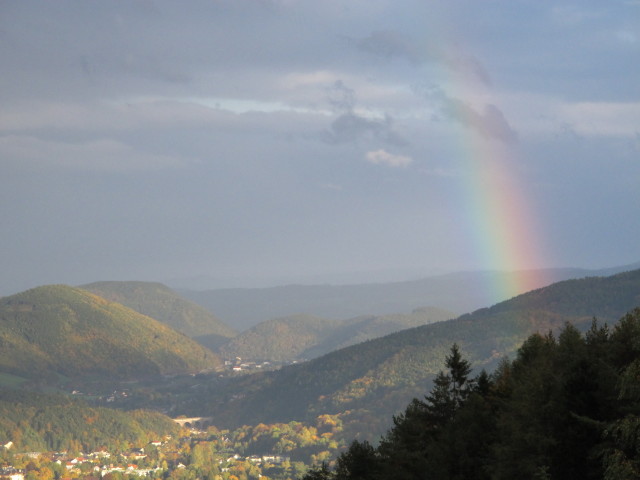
10,473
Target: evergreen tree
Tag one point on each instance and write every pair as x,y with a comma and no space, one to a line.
459,370
318,473
418,442
565,408
360,462
622,458
403,448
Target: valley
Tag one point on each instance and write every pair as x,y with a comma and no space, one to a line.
326,382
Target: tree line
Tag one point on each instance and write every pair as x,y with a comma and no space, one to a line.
564,408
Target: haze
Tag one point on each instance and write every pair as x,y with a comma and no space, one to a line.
264,142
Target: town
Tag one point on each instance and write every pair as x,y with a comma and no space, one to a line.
199,451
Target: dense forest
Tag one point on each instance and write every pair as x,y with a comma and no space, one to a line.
566,407
161,303
34,421
58,330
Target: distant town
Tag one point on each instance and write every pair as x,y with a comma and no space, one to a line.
208,453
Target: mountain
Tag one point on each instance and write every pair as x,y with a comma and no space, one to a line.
300,337
370,381
57,329
160,302
458,292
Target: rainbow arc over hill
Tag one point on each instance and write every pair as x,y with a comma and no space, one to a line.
498,207
502,222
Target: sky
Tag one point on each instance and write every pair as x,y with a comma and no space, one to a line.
261,142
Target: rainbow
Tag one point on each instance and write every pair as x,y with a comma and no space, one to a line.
499,216
503,228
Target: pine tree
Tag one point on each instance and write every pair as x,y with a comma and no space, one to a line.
459,370
622,460
319,473
360,462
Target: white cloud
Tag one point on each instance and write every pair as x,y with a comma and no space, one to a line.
382,157
157,116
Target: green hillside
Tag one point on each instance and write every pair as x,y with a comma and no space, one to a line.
68,331
37,422
379,377
279,339
160,302
361,329
301,337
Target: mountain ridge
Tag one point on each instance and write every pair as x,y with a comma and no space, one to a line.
61,330
459,292
303,337
158,301
381,376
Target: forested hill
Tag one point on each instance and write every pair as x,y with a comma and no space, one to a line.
38,422
160,302
567,407
374,379
57,329
604,297
302,337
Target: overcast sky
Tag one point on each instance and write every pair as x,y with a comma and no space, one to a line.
261,142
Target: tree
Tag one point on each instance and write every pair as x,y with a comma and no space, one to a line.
318,473
450,389
403,448
359,462
622,460
459,370
422,437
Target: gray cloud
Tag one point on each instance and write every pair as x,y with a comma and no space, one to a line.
391,44
341,97
490,122
350,127
468,66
